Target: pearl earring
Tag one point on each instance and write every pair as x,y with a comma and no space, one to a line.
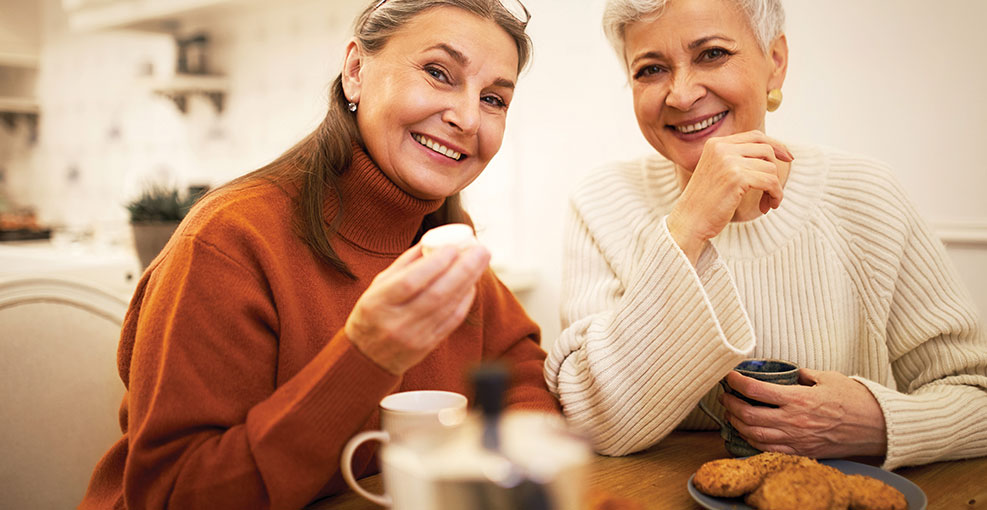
351,106
774,99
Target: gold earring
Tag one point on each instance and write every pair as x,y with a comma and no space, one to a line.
774,99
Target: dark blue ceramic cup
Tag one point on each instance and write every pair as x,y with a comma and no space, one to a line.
763,369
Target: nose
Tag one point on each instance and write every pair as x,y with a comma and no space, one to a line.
463,112
684,92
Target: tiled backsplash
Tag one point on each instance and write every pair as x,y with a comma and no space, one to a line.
104,133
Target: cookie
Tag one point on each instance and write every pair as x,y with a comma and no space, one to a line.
837,482
792,488
458,235
769,462
868,493
727,478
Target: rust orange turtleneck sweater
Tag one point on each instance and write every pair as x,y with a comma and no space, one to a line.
242,386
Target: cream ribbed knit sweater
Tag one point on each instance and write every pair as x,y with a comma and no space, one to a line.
843,276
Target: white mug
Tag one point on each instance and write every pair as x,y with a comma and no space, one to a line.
401,414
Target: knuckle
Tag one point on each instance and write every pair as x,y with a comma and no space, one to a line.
746,415
759,435
406,287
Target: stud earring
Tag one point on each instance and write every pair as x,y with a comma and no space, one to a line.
351,106
774,99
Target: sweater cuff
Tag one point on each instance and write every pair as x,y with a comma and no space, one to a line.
921,428
720,295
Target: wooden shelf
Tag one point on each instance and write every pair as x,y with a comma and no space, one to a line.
21,60
18,105
179,87
18,72
190,83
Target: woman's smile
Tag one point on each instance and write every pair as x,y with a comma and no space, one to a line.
692,127
438,147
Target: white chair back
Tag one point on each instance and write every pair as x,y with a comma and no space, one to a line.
59,389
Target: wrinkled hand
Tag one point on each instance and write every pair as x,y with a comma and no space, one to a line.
827,415
729,168
414,304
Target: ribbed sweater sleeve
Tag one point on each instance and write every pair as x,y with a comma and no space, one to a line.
642,346
936,407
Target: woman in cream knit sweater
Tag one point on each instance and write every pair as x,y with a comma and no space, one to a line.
731,244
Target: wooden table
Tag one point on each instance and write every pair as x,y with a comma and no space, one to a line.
657,477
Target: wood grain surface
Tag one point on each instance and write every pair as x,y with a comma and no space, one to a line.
656,479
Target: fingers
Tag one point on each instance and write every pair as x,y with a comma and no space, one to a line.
768,182
768,393
780,150
448,288
443,271
809,377
759,434
748,166
411,273
765,428
408,309
456,315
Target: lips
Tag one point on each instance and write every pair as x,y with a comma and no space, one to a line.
687,129
437,147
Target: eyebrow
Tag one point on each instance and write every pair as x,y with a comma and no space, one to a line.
693,45
464,61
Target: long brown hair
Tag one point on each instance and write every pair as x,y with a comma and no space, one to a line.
316,163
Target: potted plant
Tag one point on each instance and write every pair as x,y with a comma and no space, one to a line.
154,216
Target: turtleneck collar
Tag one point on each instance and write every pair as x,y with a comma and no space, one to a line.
378,216
767,233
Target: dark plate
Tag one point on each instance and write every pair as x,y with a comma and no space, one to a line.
913,494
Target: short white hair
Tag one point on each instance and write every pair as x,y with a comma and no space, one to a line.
766,19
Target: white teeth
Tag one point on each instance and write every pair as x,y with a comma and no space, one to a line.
699,126
437,147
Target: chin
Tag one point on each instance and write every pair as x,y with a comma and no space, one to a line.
433,192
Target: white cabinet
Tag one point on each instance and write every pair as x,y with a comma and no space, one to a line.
113,269
155,15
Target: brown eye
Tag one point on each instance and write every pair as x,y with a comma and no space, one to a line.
714,54
437,73
494,101
647,71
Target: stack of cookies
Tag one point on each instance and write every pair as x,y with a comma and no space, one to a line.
779,481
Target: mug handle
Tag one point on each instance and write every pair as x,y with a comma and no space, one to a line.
703,408
346,463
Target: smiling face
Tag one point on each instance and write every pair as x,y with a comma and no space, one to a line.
697,72
433,102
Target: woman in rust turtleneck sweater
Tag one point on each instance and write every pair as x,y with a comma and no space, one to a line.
293,299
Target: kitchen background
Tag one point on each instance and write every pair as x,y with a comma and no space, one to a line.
93,109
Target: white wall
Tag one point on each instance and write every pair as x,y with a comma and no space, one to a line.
903,81
900,80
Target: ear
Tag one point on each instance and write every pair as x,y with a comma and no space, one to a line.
779,62
353,71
